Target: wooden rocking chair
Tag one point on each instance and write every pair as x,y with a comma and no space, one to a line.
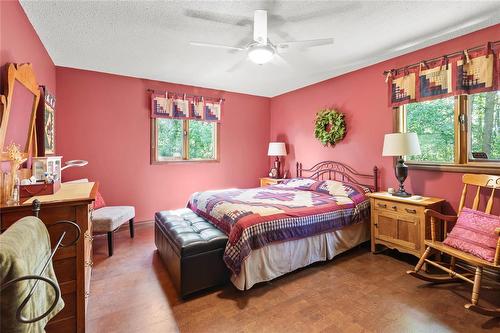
435,246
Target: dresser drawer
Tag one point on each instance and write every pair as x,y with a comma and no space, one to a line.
397,207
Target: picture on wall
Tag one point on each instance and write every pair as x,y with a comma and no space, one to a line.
49,124
45,124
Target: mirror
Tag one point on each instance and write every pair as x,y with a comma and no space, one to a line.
19,130
20,101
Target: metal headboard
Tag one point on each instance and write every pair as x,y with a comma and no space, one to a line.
57,292
331,170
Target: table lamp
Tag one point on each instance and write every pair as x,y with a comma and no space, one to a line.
401,144
276,149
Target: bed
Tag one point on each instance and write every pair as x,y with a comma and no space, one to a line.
277,229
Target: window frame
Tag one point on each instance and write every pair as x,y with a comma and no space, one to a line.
462,162
185,145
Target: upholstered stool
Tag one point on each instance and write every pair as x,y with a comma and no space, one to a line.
192,250
108,219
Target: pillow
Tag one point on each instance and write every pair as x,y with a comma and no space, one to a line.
298,183
474,233
99,201
343,192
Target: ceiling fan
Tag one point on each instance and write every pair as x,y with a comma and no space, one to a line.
261,50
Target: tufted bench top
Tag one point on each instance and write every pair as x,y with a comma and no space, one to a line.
189,233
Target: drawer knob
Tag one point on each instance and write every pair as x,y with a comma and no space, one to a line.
411,211
395,207
382,205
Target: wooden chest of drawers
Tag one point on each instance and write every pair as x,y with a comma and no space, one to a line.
72,264
400,223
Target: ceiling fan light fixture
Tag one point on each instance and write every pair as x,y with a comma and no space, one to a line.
260,54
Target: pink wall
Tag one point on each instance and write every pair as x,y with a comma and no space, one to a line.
104,119
19,43
362,96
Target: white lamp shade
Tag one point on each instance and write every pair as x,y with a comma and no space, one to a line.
276,149
401,144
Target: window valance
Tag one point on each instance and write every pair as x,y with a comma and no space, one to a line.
183,106
466,72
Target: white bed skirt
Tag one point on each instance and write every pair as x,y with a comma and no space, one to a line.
276,259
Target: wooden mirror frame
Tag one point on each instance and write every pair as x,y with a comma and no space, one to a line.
24,74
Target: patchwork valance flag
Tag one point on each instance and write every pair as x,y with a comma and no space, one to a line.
212,111
435,81
161,106
402,87
473,72
196,108
180,108
184,107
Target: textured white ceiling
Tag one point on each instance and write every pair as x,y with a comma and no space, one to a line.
150,39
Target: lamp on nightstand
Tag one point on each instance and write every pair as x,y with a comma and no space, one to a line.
276,149
401,144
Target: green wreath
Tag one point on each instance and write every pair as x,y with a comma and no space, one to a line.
330,126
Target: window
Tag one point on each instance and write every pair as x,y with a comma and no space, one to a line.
484,129
183,140
456,133
433,123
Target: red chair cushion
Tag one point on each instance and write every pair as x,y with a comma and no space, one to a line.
474,233
99,201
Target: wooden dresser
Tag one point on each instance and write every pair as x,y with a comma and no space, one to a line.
72,264
400,223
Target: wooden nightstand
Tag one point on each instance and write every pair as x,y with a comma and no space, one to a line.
400,223
266,181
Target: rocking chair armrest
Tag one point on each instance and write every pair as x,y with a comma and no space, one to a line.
441,217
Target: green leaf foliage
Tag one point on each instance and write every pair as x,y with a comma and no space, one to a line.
433,121
201,139
485,123
170,138
330,126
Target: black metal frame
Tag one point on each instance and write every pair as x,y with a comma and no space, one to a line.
36,209
340,172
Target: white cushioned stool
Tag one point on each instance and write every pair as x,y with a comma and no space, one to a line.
108,219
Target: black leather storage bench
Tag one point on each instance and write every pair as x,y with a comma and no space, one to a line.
192,250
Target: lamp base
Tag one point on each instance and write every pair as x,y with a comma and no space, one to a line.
275,170
401,172
402,194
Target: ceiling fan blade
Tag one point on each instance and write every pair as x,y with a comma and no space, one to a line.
237,65
279,60
335,9
218,46
305,43
260,27
218,17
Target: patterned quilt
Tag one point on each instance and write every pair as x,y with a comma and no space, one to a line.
298,208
